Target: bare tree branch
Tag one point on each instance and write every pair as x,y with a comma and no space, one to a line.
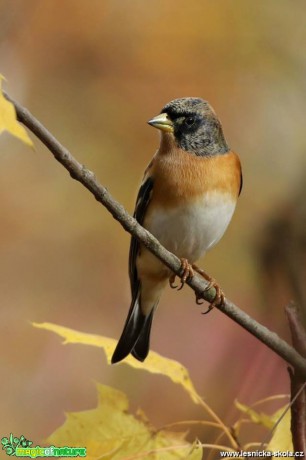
88,179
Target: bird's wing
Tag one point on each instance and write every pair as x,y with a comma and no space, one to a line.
142,202
241,183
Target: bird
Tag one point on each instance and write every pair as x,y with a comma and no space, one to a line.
186,200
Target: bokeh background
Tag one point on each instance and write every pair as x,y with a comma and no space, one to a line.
94,73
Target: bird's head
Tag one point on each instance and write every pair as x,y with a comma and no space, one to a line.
193,125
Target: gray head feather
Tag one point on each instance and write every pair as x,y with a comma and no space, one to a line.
197,128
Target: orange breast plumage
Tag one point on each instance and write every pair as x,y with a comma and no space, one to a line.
193,200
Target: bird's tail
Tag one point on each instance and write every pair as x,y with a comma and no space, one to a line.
135,337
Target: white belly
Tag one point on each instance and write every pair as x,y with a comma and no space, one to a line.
193,229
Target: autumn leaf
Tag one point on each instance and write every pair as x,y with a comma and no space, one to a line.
259,418
155,363
8,120
281,439
110,432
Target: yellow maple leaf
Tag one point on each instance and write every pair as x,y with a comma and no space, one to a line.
8,120
155,363
282,438
109,432
257,417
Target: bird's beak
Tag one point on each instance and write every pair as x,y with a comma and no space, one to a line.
162,122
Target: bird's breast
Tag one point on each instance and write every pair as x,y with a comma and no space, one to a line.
193,200
189,230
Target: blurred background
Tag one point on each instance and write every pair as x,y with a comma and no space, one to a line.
94,73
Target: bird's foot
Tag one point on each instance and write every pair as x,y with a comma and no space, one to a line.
187,272
219,297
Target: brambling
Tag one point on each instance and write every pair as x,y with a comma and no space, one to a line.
186,200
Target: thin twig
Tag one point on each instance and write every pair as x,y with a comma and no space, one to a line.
88,179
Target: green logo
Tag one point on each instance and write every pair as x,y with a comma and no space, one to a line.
21,447
12,443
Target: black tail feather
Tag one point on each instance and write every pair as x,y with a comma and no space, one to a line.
131,332
142,346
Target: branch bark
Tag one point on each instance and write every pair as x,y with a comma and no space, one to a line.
88,179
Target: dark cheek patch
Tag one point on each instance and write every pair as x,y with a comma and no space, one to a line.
205,138
181,129
191,138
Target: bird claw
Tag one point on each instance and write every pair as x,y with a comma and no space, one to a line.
199,299
187,272
172,281
219,297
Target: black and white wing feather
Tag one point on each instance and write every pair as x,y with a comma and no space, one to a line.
136,332
142,202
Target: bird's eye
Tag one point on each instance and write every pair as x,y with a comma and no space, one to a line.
189,121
